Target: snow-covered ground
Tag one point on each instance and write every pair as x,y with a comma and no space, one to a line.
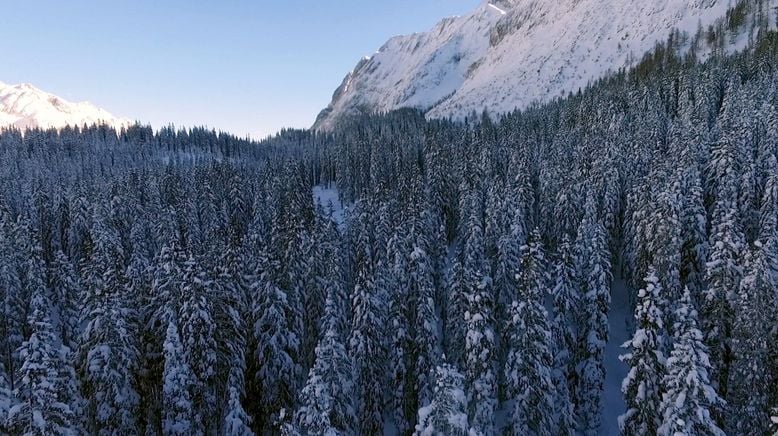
619,321
327,196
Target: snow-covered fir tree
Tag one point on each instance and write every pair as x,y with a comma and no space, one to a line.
67,295
694,250
277,346
456,308
366,342
723,275
401,341
768,212
7,399
426,343
42,394
594,329
480,338
564,326
108,355
327,399
177,382
236,422
198,331
689,396
529,368
642,388
12,310
755,321
447,413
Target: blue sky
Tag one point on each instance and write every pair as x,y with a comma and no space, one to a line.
247,67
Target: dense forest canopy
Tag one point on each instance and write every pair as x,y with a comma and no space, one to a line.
185,281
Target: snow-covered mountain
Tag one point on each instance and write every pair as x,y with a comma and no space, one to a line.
507,54
26,106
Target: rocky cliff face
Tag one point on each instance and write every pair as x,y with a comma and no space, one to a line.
507,54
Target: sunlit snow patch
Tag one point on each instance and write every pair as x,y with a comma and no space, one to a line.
502,12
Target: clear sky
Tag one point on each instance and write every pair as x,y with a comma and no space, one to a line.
247,67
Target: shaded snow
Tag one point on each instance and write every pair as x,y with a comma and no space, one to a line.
328,197
619,321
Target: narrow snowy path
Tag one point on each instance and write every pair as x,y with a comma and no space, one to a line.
615,371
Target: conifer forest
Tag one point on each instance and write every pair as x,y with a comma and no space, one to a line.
460,278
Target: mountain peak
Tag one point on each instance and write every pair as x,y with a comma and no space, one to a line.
26,106
509,54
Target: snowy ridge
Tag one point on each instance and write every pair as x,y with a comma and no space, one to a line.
502,12
25,106
508,54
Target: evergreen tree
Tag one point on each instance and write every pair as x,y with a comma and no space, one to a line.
13,308
447,413
723,278
232,319
566,298
689,396
456,308
236,422
305,293
666,246
177,382
166,295
426,345
566,295
67,294
276,351
367,349
327,396
694,250
594,329
529,367
199,345
751,378
768,212
508,259
401,340
7,399
480,340
42,395
107,352
642,388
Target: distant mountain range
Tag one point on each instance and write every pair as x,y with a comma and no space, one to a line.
26,106
507,54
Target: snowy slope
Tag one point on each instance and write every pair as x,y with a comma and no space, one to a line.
507,54
26,106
